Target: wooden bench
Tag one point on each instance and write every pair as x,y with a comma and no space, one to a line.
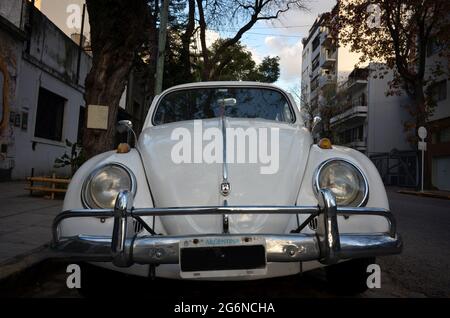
49,185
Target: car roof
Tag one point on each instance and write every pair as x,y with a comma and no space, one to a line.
222,83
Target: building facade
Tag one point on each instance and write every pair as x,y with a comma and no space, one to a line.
366,118
42,75
324,65
355,109
438,140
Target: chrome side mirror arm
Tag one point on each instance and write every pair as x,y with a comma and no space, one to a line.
316,121
126,126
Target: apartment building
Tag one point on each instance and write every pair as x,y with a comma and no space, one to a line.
438,142
324,66
365,118
354,107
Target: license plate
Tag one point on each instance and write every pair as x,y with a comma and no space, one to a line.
207,257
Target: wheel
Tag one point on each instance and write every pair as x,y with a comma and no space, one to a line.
350,277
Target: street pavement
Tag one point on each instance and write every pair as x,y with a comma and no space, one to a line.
422,270
25,221
424,266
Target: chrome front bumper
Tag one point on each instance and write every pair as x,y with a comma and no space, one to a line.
125,248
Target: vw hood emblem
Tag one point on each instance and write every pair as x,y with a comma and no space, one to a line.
225,188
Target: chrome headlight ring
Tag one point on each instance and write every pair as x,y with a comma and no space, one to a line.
86,195
361,200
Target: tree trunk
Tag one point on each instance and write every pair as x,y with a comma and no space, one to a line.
185,55
118,30
104,86
207,67
420,105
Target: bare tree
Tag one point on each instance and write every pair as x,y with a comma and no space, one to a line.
398,32
232,13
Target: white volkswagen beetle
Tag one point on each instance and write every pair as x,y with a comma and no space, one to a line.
225,183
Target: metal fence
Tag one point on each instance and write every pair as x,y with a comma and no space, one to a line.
398,168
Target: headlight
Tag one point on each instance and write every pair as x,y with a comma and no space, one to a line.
101,188
345,180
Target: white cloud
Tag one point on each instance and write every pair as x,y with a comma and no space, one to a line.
256,55
290,57
210,37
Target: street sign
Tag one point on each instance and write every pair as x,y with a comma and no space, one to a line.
422,132
422,145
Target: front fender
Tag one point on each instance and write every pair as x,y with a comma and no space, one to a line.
376,198
131,159
73,200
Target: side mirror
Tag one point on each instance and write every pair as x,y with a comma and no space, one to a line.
126,126
316,121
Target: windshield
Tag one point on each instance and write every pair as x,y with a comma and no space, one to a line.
203,103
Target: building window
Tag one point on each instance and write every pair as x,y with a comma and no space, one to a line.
49,116
315,62
439,91
316,43
81,115
314,83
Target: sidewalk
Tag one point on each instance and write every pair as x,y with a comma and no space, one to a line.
437,194
25,225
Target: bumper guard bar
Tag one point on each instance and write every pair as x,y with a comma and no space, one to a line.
125,247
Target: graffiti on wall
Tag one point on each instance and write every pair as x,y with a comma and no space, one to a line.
7,89
4,92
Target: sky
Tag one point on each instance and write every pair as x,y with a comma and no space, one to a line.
282,37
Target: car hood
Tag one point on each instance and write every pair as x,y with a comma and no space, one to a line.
267,182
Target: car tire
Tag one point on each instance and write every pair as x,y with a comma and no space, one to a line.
350,277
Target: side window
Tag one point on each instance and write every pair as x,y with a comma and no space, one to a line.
49,115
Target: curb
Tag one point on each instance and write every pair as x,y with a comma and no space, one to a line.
19,263
425,194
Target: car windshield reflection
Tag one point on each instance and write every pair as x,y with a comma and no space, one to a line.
204,103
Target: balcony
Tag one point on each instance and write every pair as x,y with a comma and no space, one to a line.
356,84
327,59
327,80
327,40
350,116
357,79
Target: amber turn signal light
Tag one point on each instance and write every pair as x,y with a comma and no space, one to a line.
325,143
123,148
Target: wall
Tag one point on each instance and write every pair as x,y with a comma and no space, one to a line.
38,153
50,63
386,115
10,54
12,11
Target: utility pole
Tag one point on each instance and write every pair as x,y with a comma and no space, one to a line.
80,45
161,46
